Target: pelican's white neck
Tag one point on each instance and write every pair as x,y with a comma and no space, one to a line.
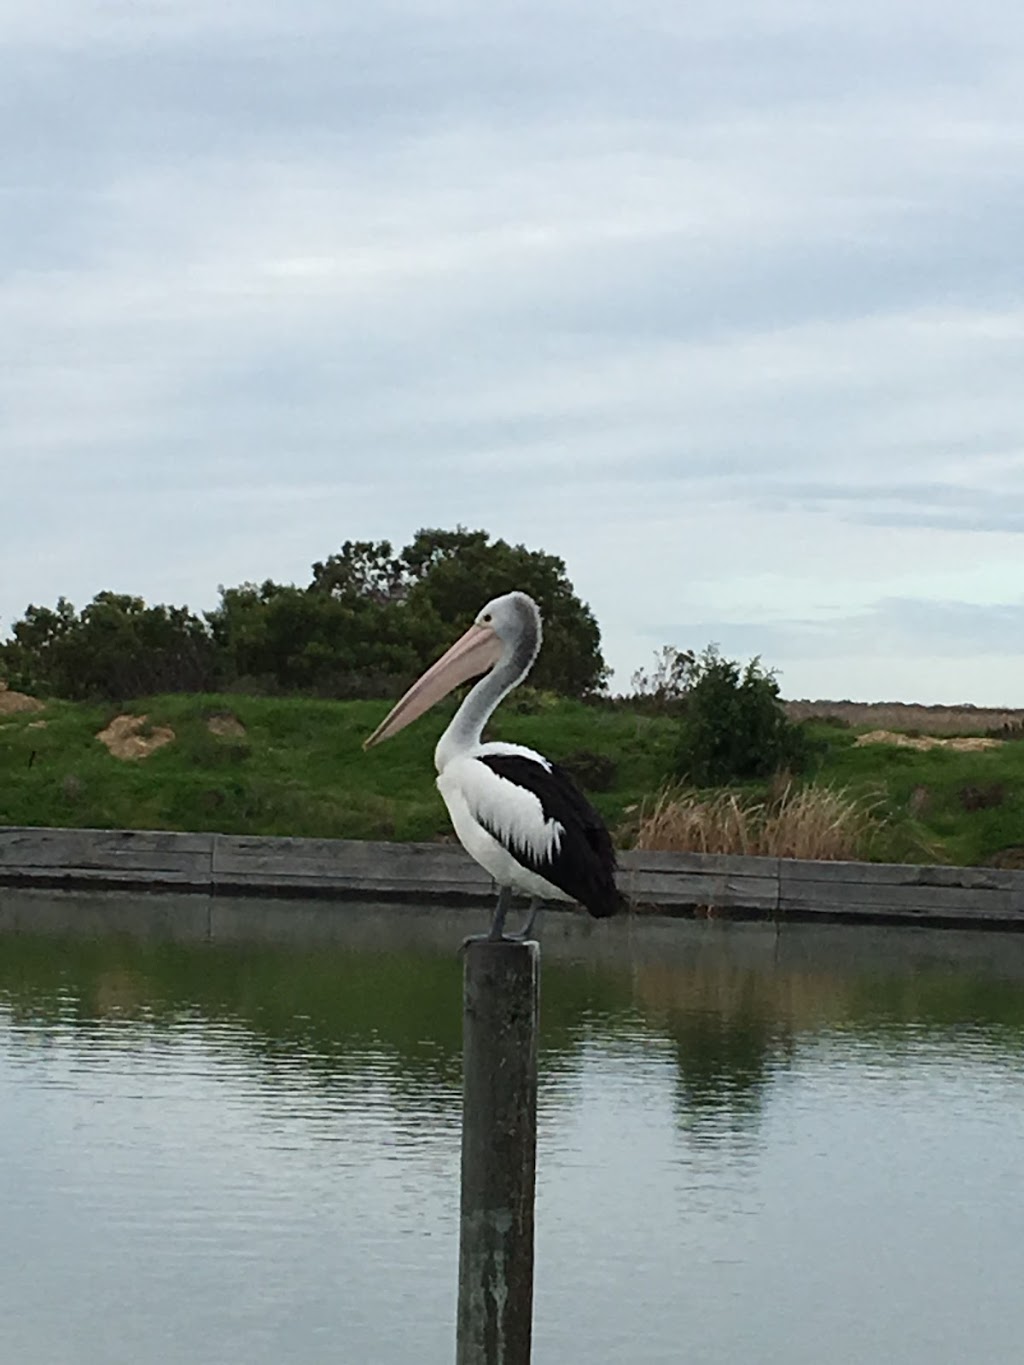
467,725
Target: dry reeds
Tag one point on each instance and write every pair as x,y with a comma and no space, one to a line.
797,822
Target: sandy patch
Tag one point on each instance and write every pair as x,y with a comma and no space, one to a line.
964,744
230,727
13,702
123,740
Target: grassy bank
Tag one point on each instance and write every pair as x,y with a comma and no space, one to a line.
296,766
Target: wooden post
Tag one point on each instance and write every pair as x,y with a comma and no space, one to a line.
499,1146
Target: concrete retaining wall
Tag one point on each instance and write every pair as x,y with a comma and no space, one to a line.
339,869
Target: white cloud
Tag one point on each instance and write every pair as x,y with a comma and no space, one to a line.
723,306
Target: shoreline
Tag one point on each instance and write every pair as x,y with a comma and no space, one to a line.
677,885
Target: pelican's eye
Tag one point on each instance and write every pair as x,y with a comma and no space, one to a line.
486,618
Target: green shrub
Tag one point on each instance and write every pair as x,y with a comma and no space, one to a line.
367,623
734,727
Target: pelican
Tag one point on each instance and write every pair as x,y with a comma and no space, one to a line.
519,815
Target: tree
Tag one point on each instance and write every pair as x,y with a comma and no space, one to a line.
666,686
734,727
367,622
28,660
365,570
336,637
453,573
117,648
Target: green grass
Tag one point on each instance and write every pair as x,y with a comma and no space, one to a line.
300,769
921,795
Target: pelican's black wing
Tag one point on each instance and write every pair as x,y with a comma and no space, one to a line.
584,864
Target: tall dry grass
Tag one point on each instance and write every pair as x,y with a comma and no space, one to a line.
794,822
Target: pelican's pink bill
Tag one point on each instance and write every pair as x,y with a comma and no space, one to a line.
472,654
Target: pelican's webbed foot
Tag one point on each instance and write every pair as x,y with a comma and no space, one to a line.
496,933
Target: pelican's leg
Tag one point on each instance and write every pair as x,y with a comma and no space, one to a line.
500,911
527,929
497,930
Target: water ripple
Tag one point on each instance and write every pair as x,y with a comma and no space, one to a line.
210,1155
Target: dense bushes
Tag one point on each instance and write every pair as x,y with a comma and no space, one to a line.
116,647
733,724
368,621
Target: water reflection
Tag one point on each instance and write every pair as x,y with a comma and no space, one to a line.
747,1141
731,1028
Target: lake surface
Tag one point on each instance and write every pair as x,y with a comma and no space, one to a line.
754,1147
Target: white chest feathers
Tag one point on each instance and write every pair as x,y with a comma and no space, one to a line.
496,819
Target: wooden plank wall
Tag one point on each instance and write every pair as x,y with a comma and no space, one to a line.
110,856
669,883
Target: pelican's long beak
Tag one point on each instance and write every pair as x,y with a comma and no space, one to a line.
472,654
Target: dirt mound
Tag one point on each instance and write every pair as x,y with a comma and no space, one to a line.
13,702
964,744
226,725
124,740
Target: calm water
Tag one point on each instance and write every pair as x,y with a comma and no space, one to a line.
753,1148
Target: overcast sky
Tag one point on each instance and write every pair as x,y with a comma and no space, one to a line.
724,304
